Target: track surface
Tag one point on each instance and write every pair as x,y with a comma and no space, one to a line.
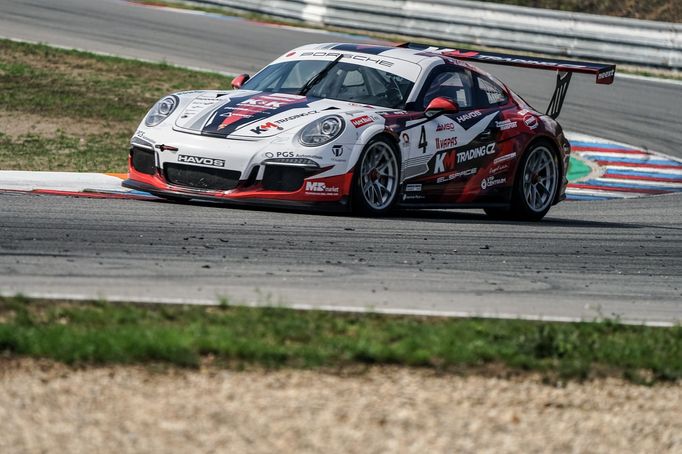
586,259
618,257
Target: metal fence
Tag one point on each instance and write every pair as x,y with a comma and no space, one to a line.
526,29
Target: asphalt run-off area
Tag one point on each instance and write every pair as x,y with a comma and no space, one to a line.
613,249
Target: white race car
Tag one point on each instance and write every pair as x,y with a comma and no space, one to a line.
363,127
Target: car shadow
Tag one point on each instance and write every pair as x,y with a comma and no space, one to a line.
454,216
433,216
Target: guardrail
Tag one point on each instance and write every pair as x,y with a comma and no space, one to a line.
577,35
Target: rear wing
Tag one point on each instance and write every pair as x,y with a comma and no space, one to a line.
604,73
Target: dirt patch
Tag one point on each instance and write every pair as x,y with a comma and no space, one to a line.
48,407
16,124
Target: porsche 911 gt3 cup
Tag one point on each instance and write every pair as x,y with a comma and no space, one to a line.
366,128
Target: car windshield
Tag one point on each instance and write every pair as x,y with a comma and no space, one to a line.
344,81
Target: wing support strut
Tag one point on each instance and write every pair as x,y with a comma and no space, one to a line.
563,80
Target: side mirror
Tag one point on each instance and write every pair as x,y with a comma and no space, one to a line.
441,105
238,81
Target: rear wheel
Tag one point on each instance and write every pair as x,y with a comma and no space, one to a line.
535,188
376,178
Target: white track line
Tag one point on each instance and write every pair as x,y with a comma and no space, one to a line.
604,193
346,309
659,80
645,169
634,183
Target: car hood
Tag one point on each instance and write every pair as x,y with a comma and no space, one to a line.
256,115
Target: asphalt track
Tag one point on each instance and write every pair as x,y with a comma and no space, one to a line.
586,260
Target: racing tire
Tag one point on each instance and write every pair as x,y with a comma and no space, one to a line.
535,188
376,182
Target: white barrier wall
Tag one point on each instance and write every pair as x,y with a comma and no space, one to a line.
512,27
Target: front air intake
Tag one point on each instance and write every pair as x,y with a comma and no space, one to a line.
201,177
283,178
143,160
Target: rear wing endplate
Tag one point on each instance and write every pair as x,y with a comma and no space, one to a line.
604,73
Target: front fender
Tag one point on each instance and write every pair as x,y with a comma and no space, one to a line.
364,138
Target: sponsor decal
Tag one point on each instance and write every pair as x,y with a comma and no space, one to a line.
201,160
498,169
294,117
606,75
445,161
445,127
492,181
265,127
505,125
445,144
413,197
413,188
280,154
505,158
199,104
308,156
529,62
361,121
469,116
320,187
449,159
188,92
459,53
260,106
531,121
337,150
404,139
454,176
365,58
267,103
475,153
366,106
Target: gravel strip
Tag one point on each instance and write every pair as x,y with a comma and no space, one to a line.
46,407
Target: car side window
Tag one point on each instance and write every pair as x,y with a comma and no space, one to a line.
455,84
488,93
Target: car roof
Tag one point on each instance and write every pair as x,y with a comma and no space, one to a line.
417,56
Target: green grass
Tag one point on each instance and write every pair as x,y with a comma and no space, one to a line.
90,152
100,333
78,110
65,110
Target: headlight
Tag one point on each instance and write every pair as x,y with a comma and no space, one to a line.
161,110
321,131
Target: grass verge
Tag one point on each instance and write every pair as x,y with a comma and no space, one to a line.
76,111
100,333
65,110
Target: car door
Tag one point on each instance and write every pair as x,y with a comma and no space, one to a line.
450,147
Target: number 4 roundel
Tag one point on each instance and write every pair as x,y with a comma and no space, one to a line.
422,140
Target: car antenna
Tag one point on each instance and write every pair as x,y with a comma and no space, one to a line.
319,76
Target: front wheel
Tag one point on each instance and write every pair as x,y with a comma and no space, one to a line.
535,187
376,179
